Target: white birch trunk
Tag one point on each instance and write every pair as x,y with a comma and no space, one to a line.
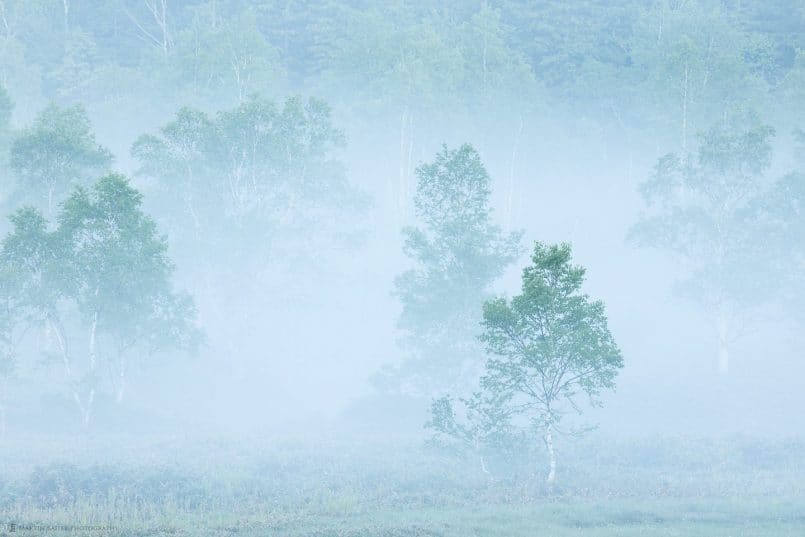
50,202
484,469
685,110
87,408
68,370
551,453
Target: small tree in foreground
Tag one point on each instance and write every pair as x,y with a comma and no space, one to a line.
549,347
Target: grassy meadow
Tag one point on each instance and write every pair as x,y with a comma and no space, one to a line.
373,486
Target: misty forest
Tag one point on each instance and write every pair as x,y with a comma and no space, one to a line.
393,269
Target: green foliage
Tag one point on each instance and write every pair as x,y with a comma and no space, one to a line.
260,166
664,67
57,152
569,44
118,269
549,346
104,270
222,56
393,54
459,253
425,64
32,261
551,342
707,207
677,49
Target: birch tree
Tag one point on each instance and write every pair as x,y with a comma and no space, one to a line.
702,207
458,253
32,255
692,62
223,55
100,285
152,21
549,349
121,279
405,65
257,163
261,183
56,153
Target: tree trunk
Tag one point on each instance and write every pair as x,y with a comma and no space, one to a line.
551,453
50,202
685,110
87,409
66,6
484,469
92,338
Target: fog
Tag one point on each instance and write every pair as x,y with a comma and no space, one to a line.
325,257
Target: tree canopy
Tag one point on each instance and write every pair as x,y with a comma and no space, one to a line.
458,252
549,348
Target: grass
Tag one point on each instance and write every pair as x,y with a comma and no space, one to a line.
362,486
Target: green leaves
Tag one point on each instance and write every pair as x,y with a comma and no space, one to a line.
117,259
459,252
57,152
552,340
224,57
104,267
705,208
257,164
547,345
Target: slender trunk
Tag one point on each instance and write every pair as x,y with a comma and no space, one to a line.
93,329
5,24
685,111
66,6
551,452
722,329
50,201
484,469
56,329
481,459
87,408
